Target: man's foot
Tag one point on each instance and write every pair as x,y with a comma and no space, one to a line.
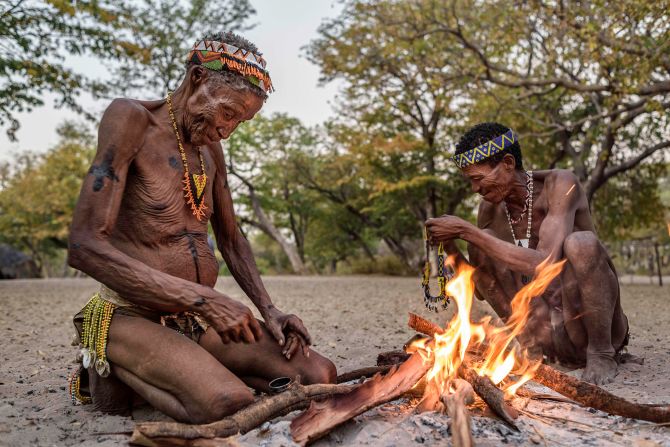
600,369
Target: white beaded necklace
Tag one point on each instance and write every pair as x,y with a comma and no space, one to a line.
528,207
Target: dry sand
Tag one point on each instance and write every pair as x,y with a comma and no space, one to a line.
351,319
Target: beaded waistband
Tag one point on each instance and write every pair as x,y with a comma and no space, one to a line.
95,329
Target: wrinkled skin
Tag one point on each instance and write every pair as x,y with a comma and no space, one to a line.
133,232
579,319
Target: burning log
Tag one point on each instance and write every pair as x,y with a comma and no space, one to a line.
456,404
578,390
297,397
430,398
322,417
483,386
490,394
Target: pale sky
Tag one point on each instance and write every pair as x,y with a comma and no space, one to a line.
283,28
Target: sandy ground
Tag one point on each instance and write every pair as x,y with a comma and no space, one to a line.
351,319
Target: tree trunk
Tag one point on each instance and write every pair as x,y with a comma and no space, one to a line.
266,225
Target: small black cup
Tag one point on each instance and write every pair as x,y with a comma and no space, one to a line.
279,384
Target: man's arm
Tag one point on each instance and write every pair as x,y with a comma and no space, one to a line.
564,196
484,219
120,136
236,251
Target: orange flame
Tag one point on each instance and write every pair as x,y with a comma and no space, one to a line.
502,354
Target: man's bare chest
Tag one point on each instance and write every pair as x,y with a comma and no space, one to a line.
160,182
517,229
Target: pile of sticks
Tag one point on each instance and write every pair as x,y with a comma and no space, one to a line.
331,405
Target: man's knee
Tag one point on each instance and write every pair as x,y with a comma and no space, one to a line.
582,248
221,402
318,369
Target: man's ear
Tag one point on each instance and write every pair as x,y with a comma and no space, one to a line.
509,161
198,75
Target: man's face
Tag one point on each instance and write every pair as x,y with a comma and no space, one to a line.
215,110
491,182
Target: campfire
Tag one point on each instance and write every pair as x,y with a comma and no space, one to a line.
500,354
445,369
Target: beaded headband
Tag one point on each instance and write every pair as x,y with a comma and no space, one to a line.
219,55
486,150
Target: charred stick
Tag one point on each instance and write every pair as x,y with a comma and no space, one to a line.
174,433
363,372
456,404
391,358
491,394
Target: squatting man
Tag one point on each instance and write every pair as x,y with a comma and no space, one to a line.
524,218
157,330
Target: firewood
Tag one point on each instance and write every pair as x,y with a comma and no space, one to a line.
322,417
491,394
595,397
456,404
430,401
364,372
578,390
391,358
297,397
423,326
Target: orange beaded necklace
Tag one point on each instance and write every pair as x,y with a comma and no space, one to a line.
194,181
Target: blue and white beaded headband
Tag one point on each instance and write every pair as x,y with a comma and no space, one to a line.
486,150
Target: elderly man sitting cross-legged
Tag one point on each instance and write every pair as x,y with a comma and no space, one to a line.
525,218
157,328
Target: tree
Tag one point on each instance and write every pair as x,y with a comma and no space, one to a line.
160,34
585,84
396,91
35,37
590,81
260,167
38,199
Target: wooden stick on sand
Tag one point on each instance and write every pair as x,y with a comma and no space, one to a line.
177,434
456,404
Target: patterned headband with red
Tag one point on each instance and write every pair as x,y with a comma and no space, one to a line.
219,55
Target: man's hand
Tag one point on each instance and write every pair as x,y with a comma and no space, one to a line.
445,228
289,331
232,320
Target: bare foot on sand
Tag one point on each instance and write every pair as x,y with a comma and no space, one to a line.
600,368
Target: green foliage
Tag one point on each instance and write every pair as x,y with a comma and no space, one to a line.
160,33
586,86
35,37
38,198
270,196
399,103
143,43
630,206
